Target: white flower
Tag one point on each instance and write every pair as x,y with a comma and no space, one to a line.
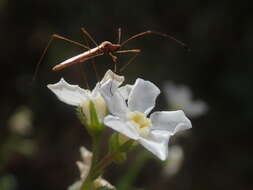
76,96
84,168
130,118
85,164
21,121
175,160
180,96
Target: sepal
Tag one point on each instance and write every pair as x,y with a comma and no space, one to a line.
95,126
119,149
92,124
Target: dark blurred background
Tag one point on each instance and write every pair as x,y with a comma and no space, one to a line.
218,69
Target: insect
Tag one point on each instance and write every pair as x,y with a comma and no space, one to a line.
105,47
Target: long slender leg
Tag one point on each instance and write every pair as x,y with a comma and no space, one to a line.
119,35
89,36
95,70
92,60
156,33
129,51
84,76
129,62
52,37
82,68
135,51
114,59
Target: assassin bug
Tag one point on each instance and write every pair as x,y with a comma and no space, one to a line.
105,47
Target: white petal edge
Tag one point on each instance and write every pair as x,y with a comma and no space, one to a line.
143,96
113,76
69,94
123,127
196,108
113,98
109,75
157,143
172,121
125,91
179,95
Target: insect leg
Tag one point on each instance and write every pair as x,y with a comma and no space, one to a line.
119,35
114,59
82,68
54,36
130,61
89,36
129,51
84,76
95,70
93,60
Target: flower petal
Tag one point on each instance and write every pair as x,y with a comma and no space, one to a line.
172,121
125,91
101,182
123,127
195,108
113,98
143,96
157,143
113,76
179,95
69,94
108,75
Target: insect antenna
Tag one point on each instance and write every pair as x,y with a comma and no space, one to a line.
156,33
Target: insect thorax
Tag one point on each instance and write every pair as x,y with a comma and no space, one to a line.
108,47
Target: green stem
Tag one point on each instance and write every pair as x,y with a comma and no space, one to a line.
87,184
128,179
98,167
107,160
96,141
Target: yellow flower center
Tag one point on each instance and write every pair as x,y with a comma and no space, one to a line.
141,122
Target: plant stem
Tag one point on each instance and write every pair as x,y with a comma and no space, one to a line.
87,184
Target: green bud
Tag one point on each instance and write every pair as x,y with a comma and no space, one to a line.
90,118
95,125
